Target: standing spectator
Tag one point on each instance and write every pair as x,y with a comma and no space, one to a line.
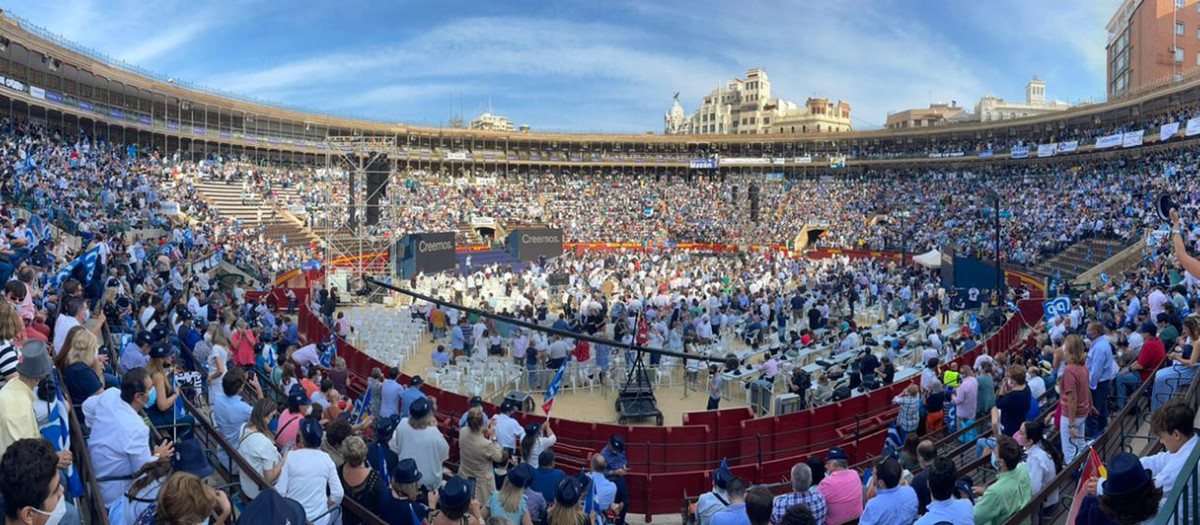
841,488
218,358
714,388
966,398
801,494
17,418
229,411
945,508
509,503
986,398
477,451
243,341
400,503
538,437
1102,370
310,477
390,394
508,430
909,417
455,505
893,504
546,477
124,447
1181,366
1012,489
926,455
360,482
84,373
418,437
935,407
256,444
1013,403
1076,398
411,394
1042,462
735,512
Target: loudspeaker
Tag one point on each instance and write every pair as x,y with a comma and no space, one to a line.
523,401
377,181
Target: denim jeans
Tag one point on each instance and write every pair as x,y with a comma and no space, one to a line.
1126,384
1096,423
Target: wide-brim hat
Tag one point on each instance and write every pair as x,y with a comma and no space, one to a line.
1164,206
1126,475
455,494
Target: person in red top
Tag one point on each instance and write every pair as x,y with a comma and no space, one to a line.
243,342
1151,355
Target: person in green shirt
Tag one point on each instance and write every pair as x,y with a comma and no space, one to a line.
1166,331
1011,490
986,399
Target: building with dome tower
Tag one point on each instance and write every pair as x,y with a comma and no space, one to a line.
745,107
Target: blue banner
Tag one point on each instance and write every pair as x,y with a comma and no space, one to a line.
703,164
986,153
1056,306
1019,152
85,105
116,113
54,96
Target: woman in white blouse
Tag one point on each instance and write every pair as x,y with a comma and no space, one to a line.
309,473
1043,463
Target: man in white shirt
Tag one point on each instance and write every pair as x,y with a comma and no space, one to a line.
509,431
73,313
310,477
1174,424
1156,300
124,447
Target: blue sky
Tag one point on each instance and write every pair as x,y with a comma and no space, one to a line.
596,66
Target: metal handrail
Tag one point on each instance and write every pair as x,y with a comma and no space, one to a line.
82,461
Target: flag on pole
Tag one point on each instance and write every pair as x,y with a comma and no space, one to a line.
1092,469
330,353
974,323
58,432
362,407
589,504
553,391
89,259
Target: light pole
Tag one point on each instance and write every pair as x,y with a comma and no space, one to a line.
999,269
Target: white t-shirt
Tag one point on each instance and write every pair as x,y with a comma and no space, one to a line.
260,452
63,325
306,475
219,354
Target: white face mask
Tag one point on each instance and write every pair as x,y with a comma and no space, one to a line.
208,338
56,515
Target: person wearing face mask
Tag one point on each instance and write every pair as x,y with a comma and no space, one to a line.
124,446
1012,490
298,404
1043,462
30,485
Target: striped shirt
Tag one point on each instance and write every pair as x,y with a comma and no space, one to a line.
9,356
812,499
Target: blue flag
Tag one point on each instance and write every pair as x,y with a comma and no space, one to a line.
362,407
180,409
1013,307
974,323
330,353
553,391
58,432
589,504
89,259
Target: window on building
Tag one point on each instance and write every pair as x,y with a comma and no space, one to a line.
1179,3
1198,59
1179,28
1178,54
767,121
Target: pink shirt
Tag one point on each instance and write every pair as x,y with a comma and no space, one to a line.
843,492
966,397
769,368
288,426
25,309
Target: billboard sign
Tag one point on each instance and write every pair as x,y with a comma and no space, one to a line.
424,253
532,244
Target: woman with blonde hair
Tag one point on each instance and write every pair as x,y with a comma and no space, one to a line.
1076,398
360,482
186,500
84,371
161,370
417,437
11,328
218,357
509,503
567,508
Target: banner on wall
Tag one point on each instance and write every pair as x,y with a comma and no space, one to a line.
1047,150
1019,152
531,244
806,159
1068,147
947,155
703,164
12,83
1168,131
986,153
37,92
1114,140
456,155
169,208
838,161
1132,138
424,253
1193,126
745,161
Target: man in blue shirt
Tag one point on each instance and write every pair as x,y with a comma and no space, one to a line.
229,411
1102,369
614,457
410,394
945,508
291,331
735,512
475,402
546,477
606,491
390,394
893,504
457,341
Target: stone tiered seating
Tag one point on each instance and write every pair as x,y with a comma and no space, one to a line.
227,198
1075,260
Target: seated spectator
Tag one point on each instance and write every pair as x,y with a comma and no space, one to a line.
256,444
758,505
945,508
186,499
801,494
511,504
799,515
288,426
893,503
1180,366
841,488
31,486
1043,462
17,417
1130,495
360,482
1148,360
124,447
11,328
379,456
147,484
1011,491
310,477
522,476
735,512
